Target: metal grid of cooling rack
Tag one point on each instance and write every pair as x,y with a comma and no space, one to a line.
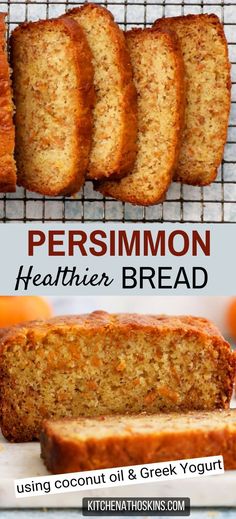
215,203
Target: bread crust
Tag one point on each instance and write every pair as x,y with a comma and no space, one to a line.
196,171
63,454
123,160
106,328
7,130
86,99
121,190
100,319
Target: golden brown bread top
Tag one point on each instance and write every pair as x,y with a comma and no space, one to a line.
130,425
7,132
99,320
189,19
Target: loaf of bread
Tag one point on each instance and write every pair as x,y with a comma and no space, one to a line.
115,113
158,75
7,131
207,71
118,441
53,92
102,363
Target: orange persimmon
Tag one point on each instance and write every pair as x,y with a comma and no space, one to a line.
231,318
17,309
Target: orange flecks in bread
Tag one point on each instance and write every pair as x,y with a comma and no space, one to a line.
73,349
166,392
207,71
91,384
96,362
54,97
62,396
121,366
115,113
151,396
158,76
111,441
38,361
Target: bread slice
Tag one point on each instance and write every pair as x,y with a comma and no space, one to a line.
158,75
53,92
115,113
118,441
207,70
110,364
7,131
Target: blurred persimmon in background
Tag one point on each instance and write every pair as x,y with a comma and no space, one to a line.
17,309
231,318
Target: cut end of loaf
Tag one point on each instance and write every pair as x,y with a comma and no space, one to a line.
66,367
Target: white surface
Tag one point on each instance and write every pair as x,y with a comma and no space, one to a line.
21,460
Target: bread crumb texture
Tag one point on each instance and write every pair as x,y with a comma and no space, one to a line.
158,75
115,113
110,364
53,92
116,441
208,85
7,131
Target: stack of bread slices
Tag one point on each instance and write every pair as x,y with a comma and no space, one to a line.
130,111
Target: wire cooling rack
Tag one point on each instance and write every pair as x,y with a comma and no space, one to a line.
214,203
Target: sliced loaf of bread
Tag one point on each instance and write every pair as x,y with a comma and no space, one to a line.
117,441
158,75
7,131
115,113
89,365
53,92
207,70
